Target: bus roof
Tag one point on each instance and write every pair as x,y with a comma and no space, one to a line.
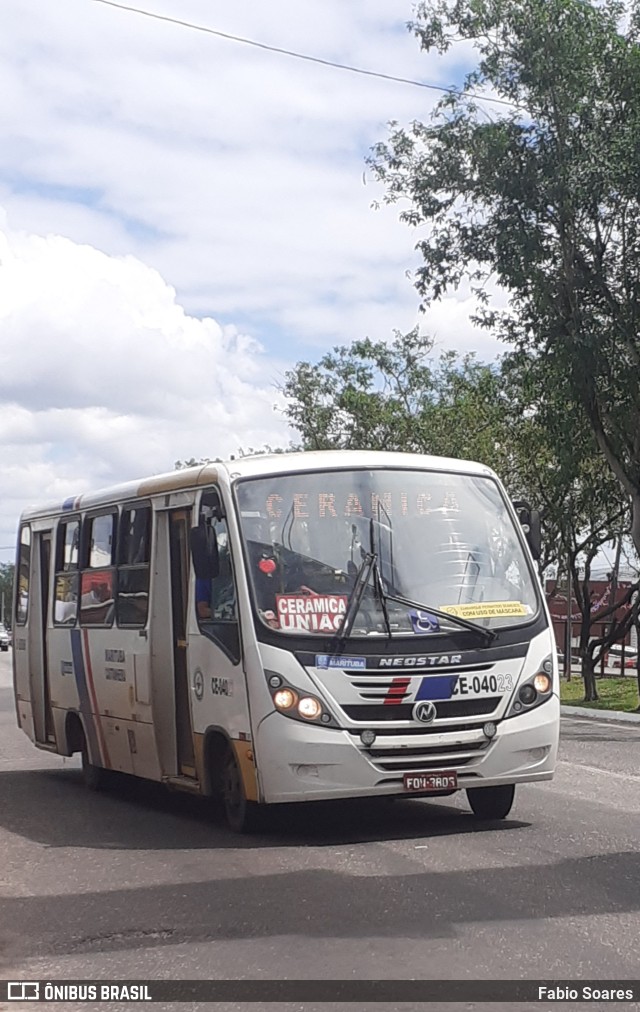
254,466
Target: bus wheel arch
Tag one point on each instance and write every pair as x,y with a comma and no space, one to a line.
224,779
74,735
216,744
94,777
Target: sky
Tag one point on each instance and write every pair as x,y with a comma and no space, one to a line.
183,218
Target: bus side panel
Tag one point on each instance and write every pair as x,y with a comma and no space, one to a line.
63,680
120,671
103,674
111,690
218,689
26,647
77,685
21,681
142,741
160,651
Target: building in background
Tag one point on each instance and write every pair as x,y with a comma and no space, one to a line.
602,596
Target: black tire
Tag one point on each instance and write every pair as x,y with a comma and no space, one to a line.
491,803
95,777
242,816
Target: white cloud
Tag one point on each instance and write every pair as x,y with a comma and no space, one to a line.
157,180
103,376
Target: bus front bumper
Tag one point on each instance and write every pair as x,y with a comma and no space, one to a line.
303,762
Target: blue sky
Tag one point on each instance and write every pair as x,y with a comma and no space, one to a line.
182,218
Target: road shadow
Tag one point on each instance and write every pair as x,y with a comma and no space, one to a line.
54,808
322,904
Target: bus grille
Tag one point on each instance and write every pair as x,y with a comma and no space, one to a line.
445,709
427,757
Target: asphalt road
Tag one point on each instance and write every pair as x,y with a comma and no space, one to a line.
138,883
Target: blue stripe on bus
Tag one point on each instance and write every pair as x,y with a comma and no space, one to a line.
69,504
83,696
437,687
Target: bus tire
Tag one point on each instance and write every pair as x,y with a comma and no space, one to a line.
242,816
94,777
491,803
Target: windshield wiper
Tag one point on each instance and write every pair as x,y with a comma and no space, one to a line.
368,565
355,597
489,634
385,596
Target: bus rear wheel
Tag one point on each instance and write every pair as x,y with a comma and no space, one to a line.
491,802
242,816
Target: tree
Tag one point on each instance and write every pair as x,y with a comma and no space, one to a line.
180,465
515,417
557,463
398,396
7,570
541,194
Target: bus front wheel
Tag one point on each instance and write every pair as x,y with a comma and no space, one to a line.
241,815
491,802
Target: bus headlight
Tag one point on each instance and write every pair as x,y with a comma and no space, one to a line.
542,682
285,699
309,708
527,694
297,703
535,691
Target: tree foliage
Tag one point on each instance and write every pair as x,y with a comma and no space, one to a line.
397,396
516,416
7,570
541,195
180,465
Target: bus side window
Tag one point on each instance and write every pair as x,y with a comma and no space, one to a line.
98,572
216,604
134,557
67,577
24,562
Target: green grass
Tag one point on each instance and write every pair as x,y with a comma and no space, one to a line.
615,693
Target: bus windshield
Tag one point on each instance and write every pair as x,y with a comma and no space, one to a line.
440,540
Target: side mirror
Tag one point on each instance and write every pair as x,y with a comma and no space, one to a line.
204,552
535,534
532,527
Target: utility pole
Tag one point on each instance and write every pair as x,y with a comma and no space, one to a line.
569,630
612,597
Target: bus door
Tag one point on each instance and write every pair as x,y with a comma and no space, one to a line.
39,672
179,526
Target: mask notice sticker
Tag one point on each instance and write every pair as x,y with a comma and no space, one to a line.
487,609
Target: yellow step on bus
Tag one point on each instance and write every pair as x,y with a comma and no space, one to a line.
292,627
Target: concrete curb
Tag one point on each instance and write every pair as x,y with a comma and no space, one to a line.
613,716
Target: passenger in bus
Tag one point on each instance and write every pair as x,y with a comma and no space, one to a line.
216,599
203,599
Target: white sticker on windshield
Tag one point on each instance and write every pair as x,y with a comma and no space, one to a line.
487,609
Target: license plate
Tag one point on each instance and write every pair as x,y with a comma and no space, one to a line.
477,686
444,780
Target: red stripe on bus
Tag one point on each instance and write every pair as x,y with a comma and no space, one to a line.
397,691
94,702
